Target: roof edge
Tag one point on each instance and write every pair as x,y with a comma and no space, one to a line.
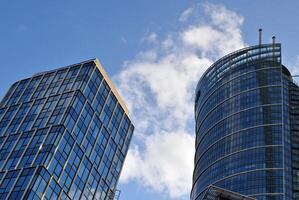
244,49
239,51
111,85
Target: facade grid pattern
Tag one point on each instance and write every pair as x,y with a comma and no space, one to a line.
243,113
64,134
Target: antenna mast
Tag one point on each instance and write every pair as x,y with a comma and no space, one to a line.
260,36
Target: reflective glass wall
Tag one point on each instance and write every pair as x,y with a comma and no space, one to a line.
294,119
242,138
64,134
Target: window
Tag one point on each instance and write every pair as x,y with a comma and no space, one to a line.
108,109
41,179
18,92
83,122
60,108
115,120
93,85
30,89
46,112
33,148
69,79
61,155
7,148
91,186
49,145
32,114
12,128
8,94
83,76
71,167
55,84
22,183
101,97
74,111
52,191
80,179
8,182
18,151
91,135
7,117
42,87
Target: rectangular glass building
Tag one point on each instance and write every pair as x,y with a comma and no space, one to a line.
64,134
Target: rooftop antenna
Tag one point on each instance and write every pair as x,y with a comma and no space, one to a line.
273,46
260,36
273,40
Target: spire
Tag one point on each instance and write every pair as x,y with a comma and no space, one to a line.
260,36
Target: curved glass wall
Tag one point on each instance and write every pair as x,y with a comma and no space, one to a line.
239,125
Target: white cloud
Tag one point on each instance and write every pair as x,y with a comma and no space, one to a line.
150,38
294,69
203,37
156,163
221,35
123,40
158,86
186,14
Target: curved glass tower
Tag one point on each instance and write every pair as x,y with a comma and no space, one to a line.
243,125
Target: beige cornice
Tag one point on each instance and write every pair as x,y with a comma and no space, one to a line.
111,85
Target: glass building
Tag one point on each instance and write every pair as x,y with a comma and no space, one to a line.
216,193
247,126
64,134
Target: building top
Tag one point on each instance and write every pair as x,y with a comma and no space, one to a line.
63,123
111,85
103,72
268,52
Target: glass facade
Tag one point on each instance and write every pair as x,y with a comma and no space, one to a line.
294,127
64,134
216,193
245,128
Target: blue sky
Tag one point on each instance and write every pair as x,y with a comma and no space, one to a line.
155,51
